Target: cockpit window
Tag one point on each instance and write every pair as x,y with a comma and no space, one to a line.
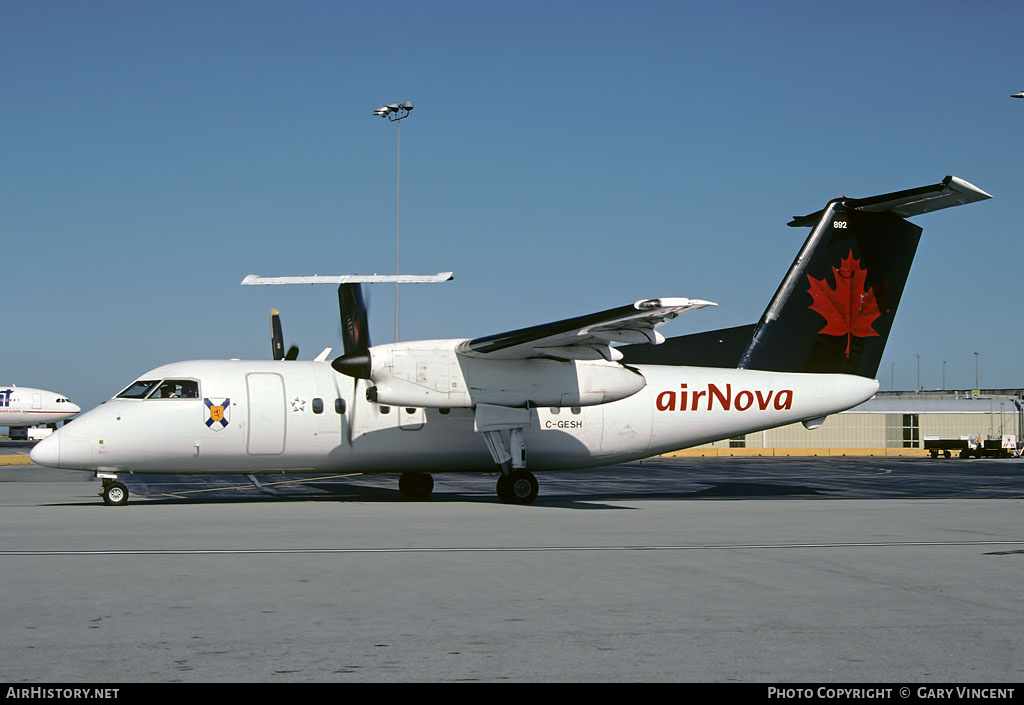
176,389
139,389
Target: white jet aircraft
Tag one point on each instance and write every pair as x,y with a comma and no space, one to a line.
24,406
550,397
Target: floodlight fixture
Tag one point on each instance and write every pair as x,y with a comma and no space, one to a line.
395,112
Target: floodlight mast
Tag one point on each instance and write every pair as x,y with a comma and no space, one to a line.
395,113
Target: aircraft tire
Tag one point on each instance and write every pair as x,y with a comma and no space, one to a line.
416,485
519,487
115,494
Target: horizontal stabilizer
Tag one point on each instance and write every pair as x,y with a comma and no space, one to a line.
925,199
256,279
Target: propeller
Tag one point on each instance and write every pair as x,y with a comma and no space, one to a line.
355,337
277,339
355,333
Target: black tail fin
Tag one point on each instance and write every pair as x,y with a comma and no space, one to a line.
835,307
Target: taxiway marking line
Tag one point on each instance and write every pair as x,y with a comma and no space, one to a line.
496,549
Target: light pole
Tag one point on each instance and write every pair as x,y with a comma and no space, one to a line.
394,113
918,374
943,375
976,371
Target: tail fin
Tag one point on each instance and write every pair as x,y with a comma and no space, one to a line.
835,307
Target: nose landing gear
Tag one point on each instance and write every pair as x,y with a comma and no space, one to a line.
114,493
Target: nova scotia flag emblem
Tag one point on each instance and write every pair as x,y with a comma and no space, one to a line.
217,413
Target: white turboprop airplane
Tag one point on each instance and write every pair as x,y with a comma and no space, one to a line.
551,397
25,406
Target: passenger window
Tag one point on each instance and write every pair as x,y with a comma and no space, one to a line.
339,406
176,389
318,406
385,409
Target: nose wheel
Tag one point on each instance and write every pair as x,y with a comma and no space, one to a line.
114,493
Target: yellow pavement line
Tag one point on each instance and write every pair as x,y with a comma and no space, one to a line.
15,460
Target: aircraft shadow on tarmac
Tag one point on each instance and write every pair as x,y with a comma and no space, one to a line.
602,488
312,491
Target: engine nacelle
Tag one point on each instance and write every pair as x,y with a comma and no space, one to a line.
431,373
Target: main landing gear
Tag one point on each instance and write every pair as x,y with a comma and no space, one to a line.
517,487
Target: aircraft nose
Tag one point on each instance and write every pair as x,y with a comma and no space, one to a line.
47,451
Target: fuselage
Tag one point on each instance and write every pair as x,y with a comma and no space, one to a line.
293,416
25,406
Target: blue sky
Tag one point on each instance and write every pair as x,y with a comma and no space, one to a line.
562,158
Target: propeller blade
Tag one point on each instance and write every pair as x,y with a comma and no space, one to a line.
355,333
293,353
276,337
355,329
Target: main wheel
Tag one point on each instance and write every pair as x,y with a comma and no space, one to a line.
519,487
416,485
115,494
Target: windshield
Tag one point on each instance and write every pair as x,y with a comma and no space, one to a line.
139,389
177,389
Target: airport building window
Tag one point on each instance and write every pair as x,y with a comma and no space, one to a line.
911,431
339,406
902,431
318,405
738,442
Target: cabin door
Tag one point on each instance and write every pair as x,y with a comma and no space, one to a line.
266,413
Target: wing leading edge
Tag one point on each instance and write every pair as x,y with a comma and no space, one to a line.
585,337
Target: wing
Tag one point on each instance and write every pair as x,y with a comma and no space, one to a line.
256,279
584,337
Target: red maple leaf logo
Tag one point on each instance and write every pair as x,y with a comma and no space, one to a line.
847,309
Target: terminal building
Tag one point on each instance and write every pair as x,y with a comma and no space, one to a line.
890,423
